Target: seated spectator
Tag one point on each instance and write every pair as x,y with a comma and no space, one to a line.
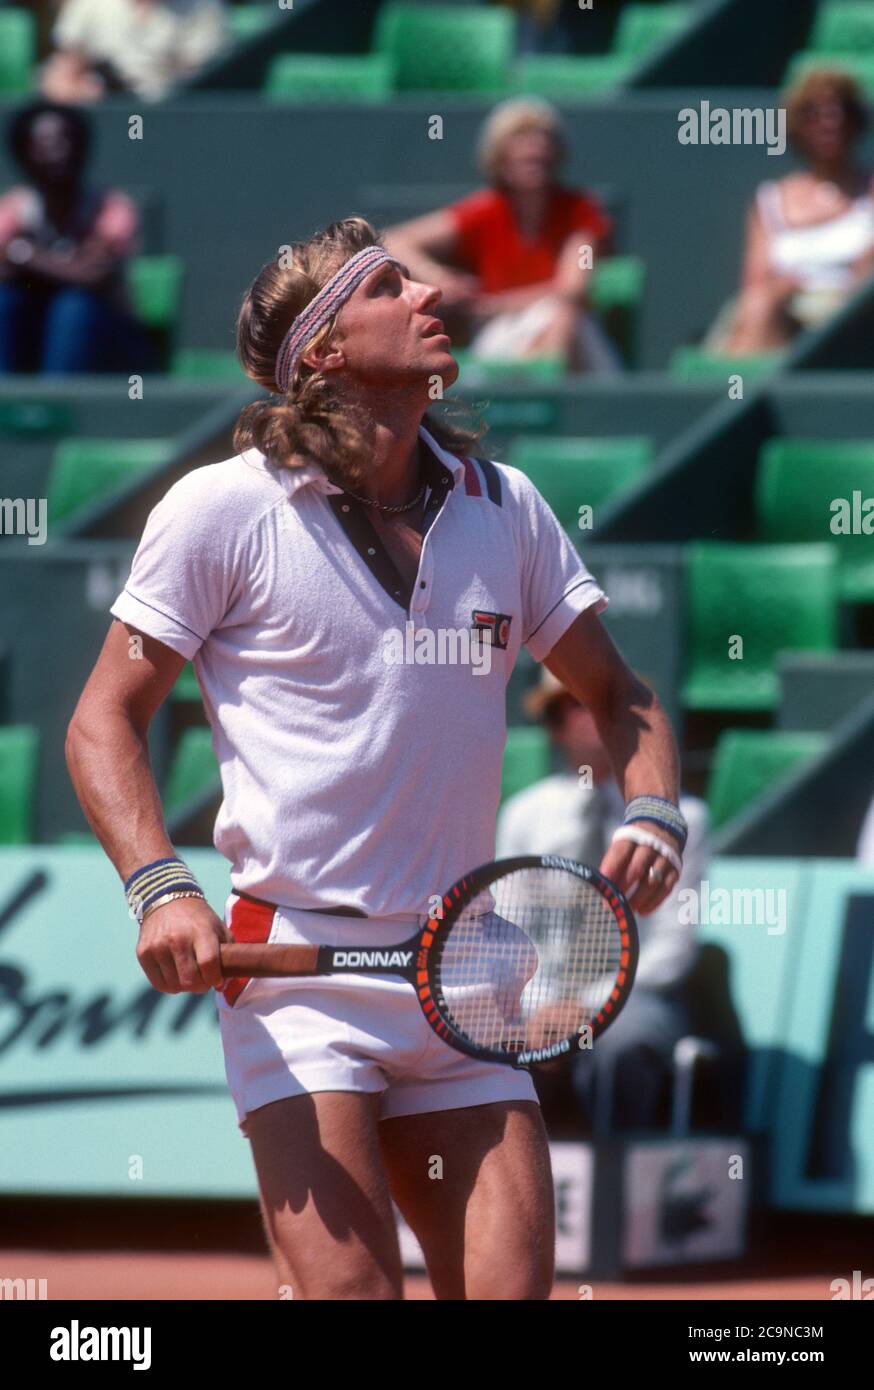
138,46
63,245
507,259
810,235
627,1072
544,26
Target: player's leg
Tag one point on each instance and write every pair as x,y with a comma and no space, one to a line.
325,1197
475,1186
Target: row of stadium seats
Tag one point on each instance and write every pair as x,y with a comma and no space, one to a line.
437,48
471,49
798,484
451,48
746,764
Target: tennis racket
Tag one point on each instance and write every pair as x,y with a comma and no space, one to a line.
524,959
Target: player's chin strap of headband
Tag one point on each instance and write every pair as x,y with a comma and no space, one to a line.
323,306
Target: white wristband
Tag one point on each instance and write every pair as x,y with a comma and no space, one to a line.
643,837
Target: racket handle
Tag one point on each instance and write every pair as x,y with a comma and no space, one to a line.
262,960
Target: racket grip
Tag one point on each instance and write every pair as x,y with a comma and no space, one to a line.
261,960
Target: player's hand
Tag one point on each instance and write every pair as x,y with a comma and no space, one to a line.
628,865
179,947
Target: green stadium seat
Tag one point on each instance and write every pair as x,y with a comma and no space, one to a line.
207,364
186,690
618,286
526,759
643,28
19,758
155,287
244,21
314,77
17,50
565,78
858,65
776,597
85,470
697,363
797,482
439,48
749,762
842,27
618,280
537,371
194,771
573,472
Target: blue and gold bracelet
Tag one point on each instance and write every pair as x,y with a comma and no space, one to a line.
155,882
660,810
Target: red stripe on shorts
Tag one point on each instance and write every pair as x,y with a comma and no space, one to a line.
250,922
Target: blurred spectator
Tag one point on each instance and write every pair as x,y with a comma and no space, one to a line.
139,46
628,1069
62,249
810,235
508,258
544,26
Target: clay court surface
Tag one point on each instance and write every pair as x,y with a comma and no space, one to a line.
162,1275
161,1250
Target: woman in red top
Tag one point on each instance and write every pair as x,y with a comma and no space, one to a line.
511,260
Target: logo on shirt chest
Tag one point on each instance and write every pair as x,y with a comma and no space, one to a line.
493,627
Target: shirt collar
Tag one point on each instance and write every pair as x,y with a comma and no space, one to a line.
312,474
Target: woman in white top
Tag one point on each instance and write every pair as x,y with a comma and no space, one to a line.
810,235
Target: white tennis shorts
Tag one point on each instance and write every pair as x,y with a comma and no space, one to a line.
292,1037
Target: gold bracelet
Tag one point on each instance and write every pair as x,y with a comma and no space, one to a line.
169,898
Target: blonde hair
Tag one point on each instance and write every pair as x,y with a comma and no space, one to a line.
816,84
510,118
311,420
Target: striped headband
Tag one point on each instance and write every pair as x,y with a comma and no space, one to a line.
323,306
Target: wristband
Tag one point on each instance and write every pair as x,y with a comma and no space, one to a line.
170,898
156,880
662,812
643,837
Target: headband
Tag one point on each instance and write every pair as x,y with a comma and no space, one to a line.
323,306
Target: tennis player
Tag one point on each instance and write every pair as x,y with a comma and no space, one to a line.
358,784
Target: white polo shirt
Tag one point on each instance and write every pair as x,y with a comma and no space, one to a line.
350,779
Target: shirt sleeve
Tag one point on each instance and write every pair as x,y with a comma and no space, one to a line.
183,572
556,585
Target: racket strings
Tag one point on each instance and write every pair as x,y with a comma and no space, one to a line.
530,962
